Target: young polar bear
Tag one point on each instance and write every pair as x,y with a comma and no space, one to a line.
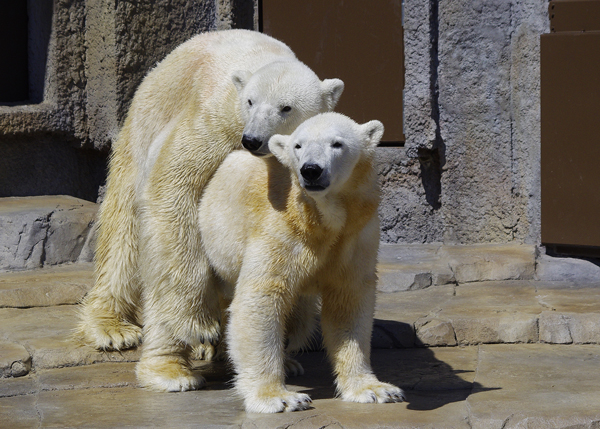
212,94
282,230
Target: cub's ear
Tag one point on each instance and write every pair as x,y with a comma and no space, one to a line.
240,79
331,89
372,132
278,145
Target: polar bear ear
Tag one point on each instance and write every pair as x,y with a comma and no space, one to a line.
278,146
332,90
240,78
372,132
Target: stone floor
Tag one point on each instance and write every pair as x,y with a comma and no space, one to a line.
513,341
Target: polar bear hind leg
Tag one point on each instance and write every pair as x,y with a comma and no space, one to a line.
109,312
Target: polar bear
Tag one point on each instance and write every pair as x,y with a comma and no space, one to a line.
211,95
282,230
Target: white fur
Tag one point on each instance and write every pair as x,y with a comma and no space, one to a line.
282,245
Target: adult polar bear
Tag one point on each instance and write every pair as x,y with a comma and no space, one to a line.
210,95
299,226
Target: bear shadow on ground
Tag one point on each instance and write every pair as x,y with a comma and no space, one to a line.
428,382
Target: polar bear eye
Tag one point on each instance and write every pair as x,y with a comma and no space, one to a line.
297,147
337,145
286,109
249,102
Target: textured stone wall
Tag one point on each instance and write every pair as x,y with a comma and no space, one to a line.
472,110
469,172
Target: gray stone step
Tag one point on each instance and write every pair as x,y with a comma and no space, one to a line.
520,311
405,267
59,285
39,312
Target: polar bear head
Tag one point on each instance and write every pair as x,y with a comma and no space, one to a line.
324,150
279,97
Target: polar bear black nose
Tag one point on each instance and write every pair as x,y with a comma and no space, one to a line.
311,172
251,143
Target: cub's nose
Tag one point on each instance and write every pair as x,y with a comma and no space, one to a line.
311,172
251,143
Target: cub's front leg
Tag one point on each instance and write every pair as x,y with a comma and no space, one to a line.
255,337
347,319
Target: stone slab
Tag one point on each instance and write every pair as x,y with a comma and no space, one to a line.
572,312
537,386
46,333
43,231
411,305
523,311
487,262
494,312
552,269
567,328
14,360
20,412
66,284
405,267
411,267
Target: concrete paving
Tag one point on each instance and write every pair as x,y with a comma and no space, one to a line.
515,352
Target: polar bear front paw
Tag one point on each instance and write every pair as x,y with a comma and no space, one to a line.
284,400
166,374
374,393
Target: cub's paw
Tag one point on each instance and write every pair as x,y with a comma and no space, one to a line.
167,374
293,368
209,352
109,334
376,392
283,400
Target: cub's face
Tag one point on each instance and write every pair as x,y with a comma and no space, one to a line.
278,98
324,150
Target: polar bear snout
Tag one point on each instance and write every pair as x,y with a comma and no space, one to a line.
314,177
311,172
251,143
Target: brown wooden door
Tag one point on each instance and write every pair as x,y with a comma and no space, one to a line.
570,97
358,41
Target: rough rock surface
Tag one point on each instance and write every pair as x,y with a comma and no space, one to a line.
471,171
412,267
43,231
566,269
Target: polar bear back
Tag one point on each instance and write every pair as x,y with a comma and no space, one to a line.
204,66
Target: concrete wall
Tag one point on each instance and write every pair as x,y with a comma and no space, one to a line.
469,172
472,112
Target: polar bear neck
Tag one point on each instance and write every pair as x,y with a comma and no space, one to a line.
349,209
343,212
332,212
